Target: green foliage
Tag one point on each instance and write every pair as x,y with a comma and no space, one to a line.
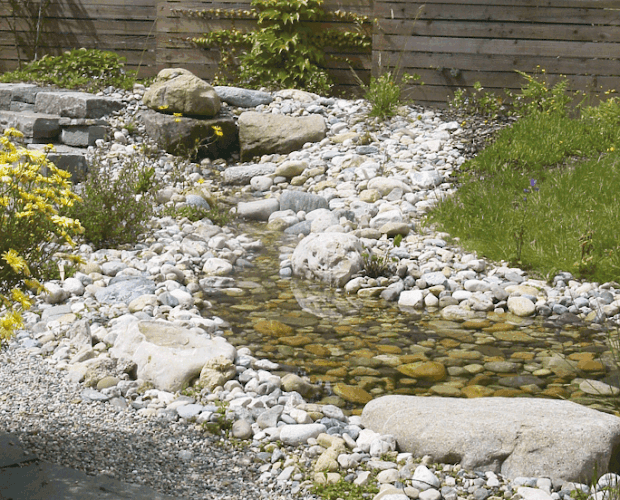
286,50
384,93
112,212
89,69
539,95
223,425
571,222
147,182
31,231
376,265
343,489
477,102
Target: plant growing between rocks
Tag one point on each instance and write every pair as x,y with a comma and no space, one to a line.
112,210
32,192
380,264
285,50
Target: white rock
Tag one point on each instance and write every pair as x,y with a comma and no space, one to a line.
521,306
217,267
295,435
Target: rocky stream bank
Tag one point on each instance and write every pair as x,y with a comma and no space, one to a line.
102,377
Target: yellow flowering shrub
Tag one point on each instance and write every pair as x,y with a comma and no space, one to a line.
32,190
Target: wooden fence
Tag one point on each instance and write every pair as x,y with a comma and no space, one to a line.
450,44
454,44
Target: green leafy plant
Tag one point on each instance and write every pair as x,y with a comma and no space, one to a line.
539,95
111,211
90,69
285,50
32,192
477,102
379,264
520,205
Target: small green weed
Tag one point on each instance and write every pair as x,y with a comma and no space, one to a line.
477,102
89,69
384,93
216,214
345,490
223,425
376,265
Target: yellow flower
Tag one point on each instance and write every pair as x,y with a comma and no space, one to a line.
21,298
178,120
164,106
17,263
200,181
177,114
218,130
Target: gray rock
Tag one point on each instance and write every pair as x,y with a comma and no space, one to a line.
295,435
243,98
34,126
300,200
83,136
166,355
517,437
269,418
197,201
190,411
330,257
193,136
242,429
261,133
258,210
303,227
75,104
244,173
177,90
125,289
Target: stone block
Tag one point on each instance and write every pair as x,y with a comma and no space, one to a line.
67,158
76,104
82,136
32,125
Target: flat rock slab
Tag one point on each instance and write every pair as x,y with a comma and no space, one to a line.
32,125
76,104
515,437
68,158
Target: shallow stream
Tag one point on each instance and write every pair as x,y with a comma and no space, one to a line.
360,348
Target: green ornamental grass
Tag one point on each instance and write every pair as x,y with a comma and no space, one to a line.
544,196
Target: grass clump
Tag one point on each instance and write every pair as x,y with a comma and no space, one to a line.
88,69
384,93
116,204
544,195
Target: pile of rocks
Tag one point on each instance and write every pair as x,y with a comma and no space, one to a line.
133,326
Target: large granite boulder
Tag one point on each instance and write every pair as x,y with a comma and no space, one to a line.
514,436
166,355
178,90
263,133
330,257
192,136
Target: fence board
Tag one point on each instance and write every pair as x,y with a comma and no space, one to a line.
476,29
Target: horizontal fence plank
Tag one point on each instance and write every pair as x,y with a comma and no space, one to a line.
589,4
481,29
534,48
462,11
484,62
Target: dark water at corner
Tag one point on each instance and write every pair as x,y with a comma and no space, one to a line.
362,348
